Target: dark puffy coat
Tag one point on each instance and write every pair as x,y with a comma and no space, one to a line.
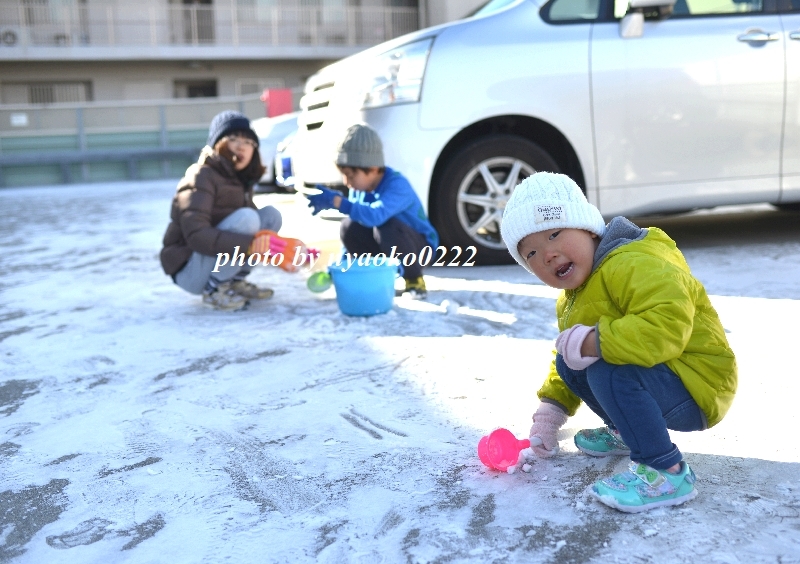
208,193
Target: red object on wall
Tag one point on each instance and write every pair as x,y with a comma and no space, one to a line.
277,101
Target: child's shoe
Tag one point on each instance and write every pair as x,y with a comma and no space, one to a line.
642,488
251,291
224,298
601,442
415,288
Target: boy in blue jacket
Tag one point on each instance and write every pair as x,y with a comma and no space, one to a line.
385,214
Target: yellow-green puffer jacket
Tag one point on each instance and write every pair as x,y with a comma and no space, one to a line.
649,309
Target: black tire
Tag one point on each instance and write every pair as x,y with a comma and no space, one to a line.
793,207
463,200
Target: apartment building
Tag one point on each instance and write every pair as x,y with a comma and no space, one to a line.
61,51
97,90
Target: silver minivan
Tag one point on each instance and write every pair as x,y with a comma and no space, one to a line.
652,106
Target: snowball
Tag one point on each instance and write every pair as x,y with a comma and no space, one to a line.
450,307
526,467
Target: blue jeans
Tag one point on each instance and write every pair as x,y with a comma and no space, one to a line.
641,403
194,276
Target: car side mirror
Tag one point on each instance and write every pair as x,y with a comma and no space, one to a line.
632,24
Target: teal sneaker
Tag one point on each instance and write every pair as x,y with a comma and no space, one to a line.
601,442
642,488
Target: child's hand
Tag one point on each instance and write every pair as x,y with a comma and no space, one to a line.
547,420
261,243
326,200
570,343
291,250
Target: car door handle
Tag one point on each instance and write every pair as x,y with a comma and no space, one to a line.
757,36
795,35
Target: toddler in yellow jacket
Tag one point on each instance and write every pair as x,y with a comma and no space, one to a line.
639,343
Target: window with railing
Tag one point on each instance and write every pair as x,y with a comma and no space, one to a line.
45,92
261,11
36,12
205,22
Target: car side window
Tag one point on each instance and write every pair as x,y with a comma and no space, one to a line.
572,11
688,8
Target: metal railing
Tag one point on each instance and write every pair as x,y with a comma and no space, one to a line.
73,138
21,120
226,22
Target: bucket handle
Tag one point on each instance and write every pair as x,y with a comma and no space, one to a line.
400,270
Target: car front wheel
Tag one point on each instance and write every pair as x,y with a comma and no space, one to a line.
474,187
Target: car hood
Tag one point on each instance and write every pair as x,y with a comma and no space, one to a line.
343,66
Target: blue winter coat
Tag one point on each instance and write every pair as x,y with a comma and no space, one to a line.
393,197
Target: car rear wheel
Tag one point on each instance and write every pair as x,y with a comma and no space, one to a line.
473,190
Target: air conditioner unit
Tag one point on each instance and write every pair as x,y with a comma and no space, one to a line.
13,36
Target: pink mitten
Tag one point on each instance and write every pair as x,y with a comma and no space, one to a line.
547,420
568,345
289,249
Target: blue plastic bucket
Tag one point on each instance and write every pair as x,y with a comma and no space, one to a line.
365,289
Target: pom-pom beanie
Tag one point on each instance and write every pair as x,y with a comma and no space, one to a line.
227,122
360,148
544,201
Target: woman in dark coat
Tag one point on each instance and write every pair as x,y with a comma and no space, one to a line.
213,212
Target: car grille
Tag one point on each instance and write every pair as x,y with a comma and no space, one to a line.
315,105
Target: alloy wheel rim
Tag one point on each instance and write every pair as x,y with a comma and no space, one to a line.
483,194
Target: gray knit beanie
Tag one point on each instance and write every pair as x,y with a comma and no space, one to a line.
544,201
361,147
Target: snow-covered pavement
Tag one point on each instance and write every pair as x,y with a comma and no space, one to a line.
138,426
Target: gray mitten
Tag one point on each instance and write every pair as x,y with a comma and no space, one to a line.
547,420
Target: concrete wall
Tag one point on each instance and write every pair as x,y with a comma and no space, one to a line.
155,80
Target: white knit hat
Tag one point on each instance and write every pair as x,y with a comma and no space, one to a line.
543,201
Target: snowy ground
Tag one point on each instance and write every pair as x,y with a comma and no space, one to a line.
138,426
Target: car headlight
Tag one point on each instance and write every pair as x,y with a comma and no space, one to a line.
397,75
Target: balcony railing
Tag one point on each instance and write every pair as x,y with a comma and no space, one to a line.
226,22
59,143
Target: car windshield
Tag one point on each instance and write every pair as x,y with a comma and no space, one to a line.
489,7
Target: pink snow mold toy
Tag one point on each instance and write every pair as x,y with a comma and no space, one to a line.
500,449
